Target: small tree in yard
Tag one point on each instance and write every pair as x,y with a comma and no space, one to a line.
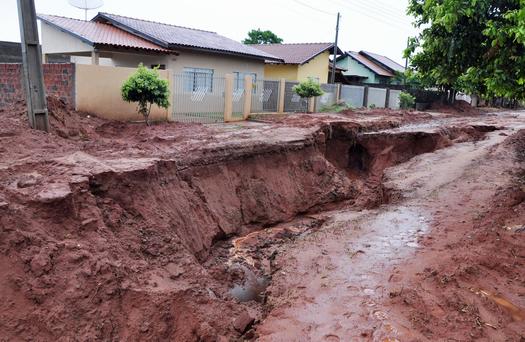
308,89
406,101
146,88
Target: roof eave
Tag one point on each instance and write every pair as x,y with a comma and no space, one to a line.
330,49
60,28
223,52
125,47
393,71
366,66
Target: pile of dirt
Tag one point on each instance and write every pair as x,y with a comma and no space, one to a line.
459,107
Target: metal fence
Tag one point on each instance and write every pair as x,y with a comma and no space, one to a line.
376,97
198,98
292,101
238,101
353,95
329,98
265,96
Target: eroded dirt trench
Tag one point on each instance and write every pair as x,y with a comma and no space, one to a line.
297,239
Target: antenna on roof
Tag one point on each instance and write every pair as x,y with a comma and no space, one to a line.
86,5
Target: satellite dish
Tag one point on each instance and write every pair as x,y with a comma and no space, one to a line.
86,5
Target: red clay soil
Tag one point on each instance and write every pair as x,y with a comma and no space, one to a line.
443,261
467,282
115,232
459,107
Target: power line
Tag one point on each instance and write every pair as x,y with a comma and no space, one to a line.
364,10
314,8
379,9
392,23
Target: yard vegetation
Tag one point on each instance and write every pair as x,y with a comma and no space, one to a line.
146,88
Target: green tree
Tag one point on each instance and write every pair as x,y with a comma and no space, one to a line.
406,101
146,88
308,89
475,46
262,37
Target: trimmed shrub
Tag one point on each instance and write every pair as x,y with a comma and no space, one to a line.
146,88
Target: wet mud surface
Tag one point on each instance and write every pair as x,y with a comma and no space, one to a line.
373,225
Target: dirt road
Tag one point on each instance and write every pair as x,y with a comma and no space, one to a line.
366,225
418,268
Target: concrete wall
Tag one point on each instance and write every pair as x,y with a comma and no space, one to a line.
98,92
59,80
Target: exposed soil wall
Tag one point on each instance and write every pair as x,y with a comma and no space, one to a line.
115,249
116,255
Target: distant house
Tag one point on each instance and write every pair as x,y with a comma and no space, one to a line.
299,61
115,40
11,52
367,67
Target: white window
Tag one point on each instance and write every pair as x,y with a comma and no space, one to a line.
239,79
198,79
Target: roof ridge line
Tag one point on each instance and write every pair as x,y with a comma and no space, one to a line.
293,44
157,22
61,16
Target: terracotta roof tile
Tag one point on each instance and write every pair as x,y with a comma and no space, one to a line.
295,53
385,61
100,33
171,36
370,64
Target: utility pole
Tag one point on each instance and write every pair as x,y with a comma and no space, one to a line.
406,58
33,74
406,64
332,76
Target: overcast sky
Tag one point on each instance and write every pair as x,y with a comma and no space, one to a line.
380,26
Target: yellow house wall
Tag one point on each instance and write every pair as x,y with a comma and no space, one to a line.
278,71
316,68
98,92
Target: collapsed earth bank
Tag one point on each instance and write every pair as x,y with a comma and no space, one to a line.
118,249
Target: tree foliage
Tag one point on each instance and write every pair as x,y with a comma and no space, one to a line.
475,46
262,37
308,89
406,101
146,88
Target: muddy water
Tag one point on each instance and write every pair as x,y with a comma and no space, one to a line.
349,270
251,288
332,281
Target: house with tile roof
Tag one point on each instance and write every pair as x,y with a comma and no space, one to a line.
299,61
367,67
119,41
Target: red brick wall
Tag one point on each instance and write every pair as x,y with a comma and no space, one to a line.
59,80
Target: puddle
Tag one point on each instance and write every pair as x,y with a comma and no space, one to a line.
253,287
250,290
